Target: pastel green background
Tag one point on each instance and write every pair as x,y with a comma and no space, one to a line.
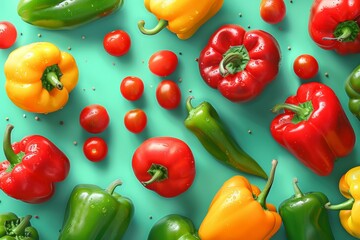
100,77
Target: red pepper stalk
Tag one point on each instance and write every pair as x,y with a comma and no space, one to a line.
336,26
314,127
32,167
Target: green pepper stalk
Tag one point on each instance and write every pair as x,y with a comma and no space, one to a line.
173,226
207,126
13,228
93,213
305,217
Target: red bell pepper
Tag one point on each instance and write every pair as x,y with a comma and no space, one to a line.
334,25
165,165
238,63
314,127
32,167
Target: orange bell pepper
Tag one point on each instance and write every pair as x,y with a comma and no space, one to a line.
229,213
349,186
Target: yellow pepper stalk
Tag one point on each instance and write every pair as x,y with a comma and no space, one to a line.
39,77
182,17
239,211
349,186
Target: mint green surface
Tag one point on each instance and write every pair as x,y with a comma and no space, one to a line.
100,77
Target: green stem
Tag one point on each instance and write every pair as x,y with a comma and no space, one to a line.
54,81
234,60
261,198
157,172
10,155
302,111
345,32
347,205
157,175
188,105
20,228
298,192
160,26
111,188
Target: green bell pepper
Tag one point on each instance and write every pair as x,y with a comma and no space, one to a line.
173,227
14,228
352,89
305,217
65,14
93,213
207,126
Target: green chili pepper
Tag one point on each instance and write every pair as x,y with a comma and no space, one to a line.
305,217
96,214
65,14
352,89
207,126
13,228
173,227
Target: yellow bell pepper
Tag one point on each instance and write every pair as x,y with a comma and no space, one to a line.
349,215
39,77
239,211
182,17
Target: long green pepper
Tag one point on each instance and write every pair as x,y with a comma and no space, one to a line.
65,14
352,89
205,123
305,217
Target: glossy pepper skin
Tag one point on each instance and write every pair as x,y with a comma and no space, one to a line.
205,123
314,127
32,168
182,17
164,165
173,227
334,25
352,89
305,217
13,227
239,63
240,211
40,77
349,186
65,14
93,213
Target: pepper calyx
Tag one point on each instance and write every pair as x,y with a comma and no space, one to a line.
261,198
159,26
302,111
158,173
234,60
347,205
16,227
345,32
10,155
51,78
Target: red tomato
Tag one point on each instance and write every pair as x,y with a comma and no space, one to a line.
8,35
95,149
117,43
272,11
94,118
135,120
306,66
132,88
168,94
163,63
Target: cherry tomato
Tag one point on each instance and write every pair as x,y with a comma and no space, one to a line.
8,35
272,11
94,118
117,43
135,120
95,149
306,66
132,88
168,94
163,63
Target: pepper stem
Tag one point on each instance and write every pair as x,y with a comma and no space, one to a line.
261,198
51,78
345,32
298,192
234,60
111,188
19,229
10,155
157,172
302,111
188,105
160,26
347,205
